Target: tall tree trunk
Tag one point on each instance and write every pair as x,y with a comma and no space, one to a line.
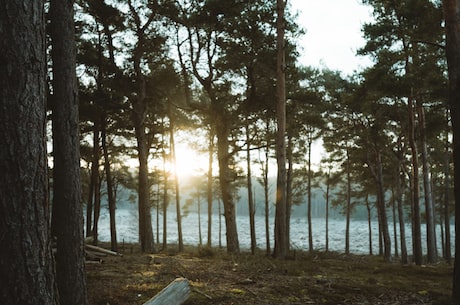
328,186
67,208
176,184
198,199
139,115
97,207
399,202
220,223
266,190
377,173
252,224
24,206
432,255
395,231
233,245
382,210
281,239
369,224
415,189
289,179
110,191
446,201
210,184
310,230
165,199
145,216
348,211
93,184
452,16
158,212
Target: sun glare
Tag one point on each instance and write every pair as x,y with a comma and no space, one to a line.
190,162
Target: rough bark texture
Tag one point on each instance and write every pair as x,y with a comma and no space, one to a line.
26,263
233,245
145,216
281,239
139,114
452,16
67,207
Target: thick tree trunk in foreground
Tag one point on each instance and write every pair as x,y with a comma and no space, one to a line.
67,207
24,222
452,16
281,239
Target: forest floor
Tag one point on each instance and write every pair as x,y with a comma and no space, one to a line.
306,278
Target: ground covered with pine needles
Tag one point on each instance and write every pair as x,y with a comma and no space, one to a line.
306,278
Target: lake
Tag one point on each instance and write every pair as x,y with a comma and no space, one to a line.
127,231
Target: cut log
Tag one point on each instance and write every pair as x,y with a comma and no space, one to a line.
176,293
102,250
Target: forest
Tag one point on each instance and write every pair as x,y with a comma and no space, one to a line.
95,95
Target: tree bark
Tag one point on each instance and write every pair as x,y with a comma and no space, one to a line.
395,231
176,183
266,189
384,235
165,198
399,202
139,114
310,229
24,209
328,186
348,211
369,224
452,17
233,245
415,189
110,191
210,183
446,201
252,224
94,182
432,254
281,239
67,208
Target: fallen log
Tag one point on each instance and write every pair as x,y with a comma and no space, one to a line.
102,250
176,293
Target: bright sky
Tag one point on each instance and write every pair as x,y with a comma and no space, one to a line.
333,33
